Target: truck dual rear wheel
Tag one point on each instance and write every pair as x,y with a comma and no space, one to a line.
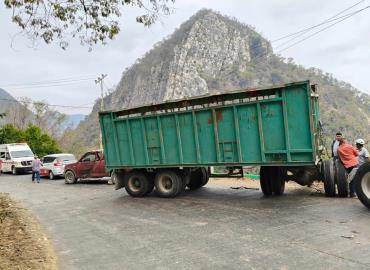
137,184
341,177
328,177
272,180
362,184
168,183
198,178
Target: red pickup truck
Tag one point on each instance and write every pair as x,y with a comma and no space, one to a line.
90,165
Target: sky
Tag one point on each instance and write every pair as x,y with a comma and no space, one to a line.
343,50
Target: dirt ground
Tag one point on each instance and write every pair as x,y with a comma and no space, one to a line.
23,245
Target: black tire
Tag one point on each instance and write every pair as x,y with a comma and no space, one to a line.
341,179
14,170
272,180
278,180
327,170
265,180
51,175
198,178
168,183
362,184
69,177
137,183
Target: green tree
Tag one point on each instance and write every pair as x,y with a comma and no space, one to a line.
40,142
11,134
91,21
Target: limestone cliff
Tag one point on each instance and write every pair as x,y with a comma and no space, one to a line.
211,52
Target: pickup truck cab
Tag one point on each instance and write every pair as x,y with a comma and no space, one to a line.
90,165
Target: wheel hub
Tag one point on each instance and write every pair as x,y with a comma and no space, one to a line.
134,184
166,183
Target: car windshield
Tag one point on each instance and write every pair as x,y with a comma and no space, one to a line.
22,153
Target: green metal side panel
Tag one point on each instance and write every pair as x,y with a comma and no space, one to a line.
188,140
206,136
267,127
250,143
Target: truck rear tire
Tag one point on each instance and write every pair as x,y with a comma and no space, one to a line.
278,183
341,176
198,178
362,184
168,183
272,180
328,178
137,184
265,181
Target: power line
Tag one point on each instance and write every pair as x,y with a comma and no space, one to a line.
62,80
302,33
40,102
323,22
325,28
344,18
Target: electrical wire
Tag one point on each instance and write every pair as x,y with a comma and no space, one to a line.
52,82
325,28
317,25
40,102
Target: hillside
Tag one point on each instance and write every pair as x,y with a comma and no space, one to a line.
211,52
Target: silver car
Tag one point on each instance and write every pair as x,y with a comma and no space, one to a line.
53,165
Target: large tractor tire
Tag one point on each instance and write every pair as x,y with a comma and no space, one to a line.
137,183
272,180
328,176
168,183
362,184
341,177
198,178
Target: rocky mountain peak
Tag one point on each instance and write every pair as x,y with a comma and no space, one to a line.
211,52
206,47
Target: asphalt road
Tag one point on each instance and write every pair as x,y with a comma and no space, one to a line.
94,227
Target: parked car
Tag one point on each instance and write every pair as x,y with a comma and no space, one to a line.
53,165
90,165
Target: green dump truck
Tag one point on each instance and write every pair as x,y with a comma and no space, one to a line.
172,145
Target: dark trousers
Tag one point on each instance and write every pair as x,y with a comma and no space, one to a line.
35,175
352,183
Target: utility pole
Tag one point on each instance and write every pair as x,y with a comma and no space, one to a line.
97,81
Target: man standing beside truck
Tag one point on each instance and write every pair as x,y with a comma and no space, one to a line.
348,155
363,154
335,144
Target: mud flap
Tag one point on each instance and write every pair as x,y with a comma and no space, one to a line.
119,181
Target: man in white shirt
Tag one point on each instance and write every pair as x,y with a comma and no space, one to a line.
363,154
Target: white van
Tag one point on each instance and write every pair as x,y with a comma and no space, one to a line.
16,157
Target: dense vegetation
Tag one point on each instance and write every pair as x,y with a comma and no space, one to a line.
40,142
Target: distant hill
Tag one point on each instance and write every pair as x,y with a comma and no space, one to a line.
73,120
8,105
211,52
